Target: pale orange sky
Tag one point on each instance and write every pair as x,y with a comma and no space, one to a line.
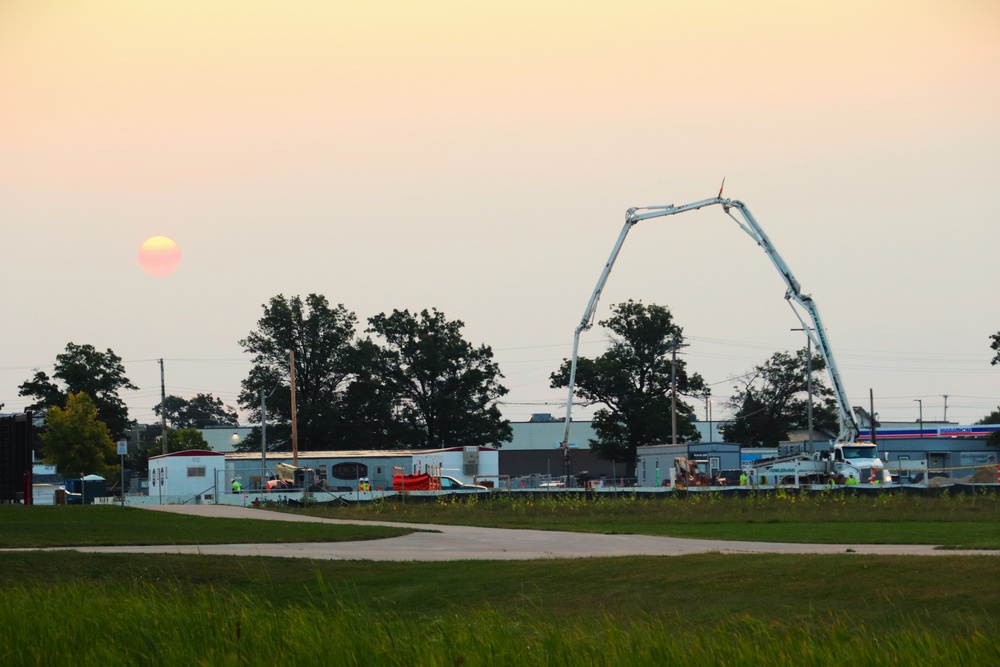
484,153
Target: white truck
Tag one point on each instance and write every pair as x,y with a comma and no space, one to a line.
845,461
847,457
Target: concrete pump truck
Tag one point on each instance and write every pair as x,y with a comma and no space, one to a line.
847,458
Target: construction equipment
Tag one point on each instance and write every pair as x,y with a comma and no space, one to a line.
691,473
806,312
845,461
296,478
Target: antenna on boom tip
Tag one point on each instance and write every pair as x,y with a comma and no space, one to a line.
722,186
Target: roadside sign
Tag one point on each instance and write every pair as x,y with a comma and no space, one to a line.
123,448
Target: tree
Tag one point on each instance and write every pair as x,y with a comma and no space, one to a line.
76,440
82,368
773,401
444,389
200,412
996,348
992,418
323,339
633,381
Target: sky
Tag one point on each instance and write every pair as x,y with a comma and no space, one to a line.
479,157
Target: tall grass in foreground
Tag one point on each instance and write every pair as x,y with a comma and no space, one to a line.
130,624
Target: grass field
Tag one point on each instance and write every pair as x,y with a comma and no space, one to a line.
118,609
96,525
956,521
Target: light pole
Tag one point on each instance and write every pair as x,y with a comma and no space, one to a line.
921,418
263,434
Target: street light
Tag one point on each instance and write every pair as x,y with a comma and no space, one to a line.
263,434
921,418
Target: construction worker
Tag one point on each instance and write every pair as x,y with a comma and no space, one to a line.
743,478
851,480
237,487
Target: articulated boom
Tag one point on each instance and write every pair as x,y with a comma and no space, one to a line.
813,327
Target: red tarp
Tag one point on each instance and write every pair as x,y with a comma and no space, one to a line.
422,482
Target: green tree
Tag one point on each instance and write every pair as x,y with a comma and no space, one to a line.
773,400
76,440
992,418
996,348
443,388
326,360
200,412
634,384
82,368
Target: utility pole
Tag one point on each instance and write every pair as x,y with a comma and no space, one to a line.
871,414
809,384
295,430
673,389
708,417
945,408
263,440
921,418
163,407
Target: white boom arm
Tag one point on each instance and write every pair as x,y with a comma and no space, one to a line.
816,332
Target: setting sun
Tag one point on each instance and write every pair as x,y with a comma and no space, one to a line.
159,256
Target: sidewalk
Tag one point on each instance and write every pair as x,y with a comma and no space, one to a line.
475,543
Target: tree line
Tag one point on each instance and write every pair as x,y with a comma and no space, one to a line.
411,380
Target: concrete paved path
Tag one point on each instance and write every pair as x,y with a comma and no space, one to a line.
473,543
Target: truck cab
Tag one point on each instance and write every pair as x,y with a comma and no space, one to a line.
452,484
862,460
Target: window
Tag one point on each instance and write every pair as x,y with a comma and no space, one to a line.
196,471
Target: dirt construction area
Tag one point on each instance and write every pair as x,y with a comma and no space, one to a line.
444,543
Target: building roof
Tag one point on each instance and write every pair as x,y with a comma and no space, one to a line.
188,452
352,454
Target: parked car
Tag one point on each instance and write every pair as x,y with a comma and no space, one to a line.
452,484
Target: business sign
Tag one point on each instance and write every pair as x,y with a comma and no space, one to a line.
978,458
349,470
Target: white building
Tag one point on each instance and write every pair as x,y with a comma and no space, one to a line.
185,474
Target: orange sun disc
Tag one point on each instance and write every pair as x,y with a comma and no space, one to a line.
159,256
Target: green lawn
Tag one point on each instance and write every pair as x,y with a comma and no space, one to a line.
126,609
112,609
97,525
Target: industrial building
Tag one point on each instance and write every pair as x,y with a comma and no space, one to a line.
341,470
535,449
